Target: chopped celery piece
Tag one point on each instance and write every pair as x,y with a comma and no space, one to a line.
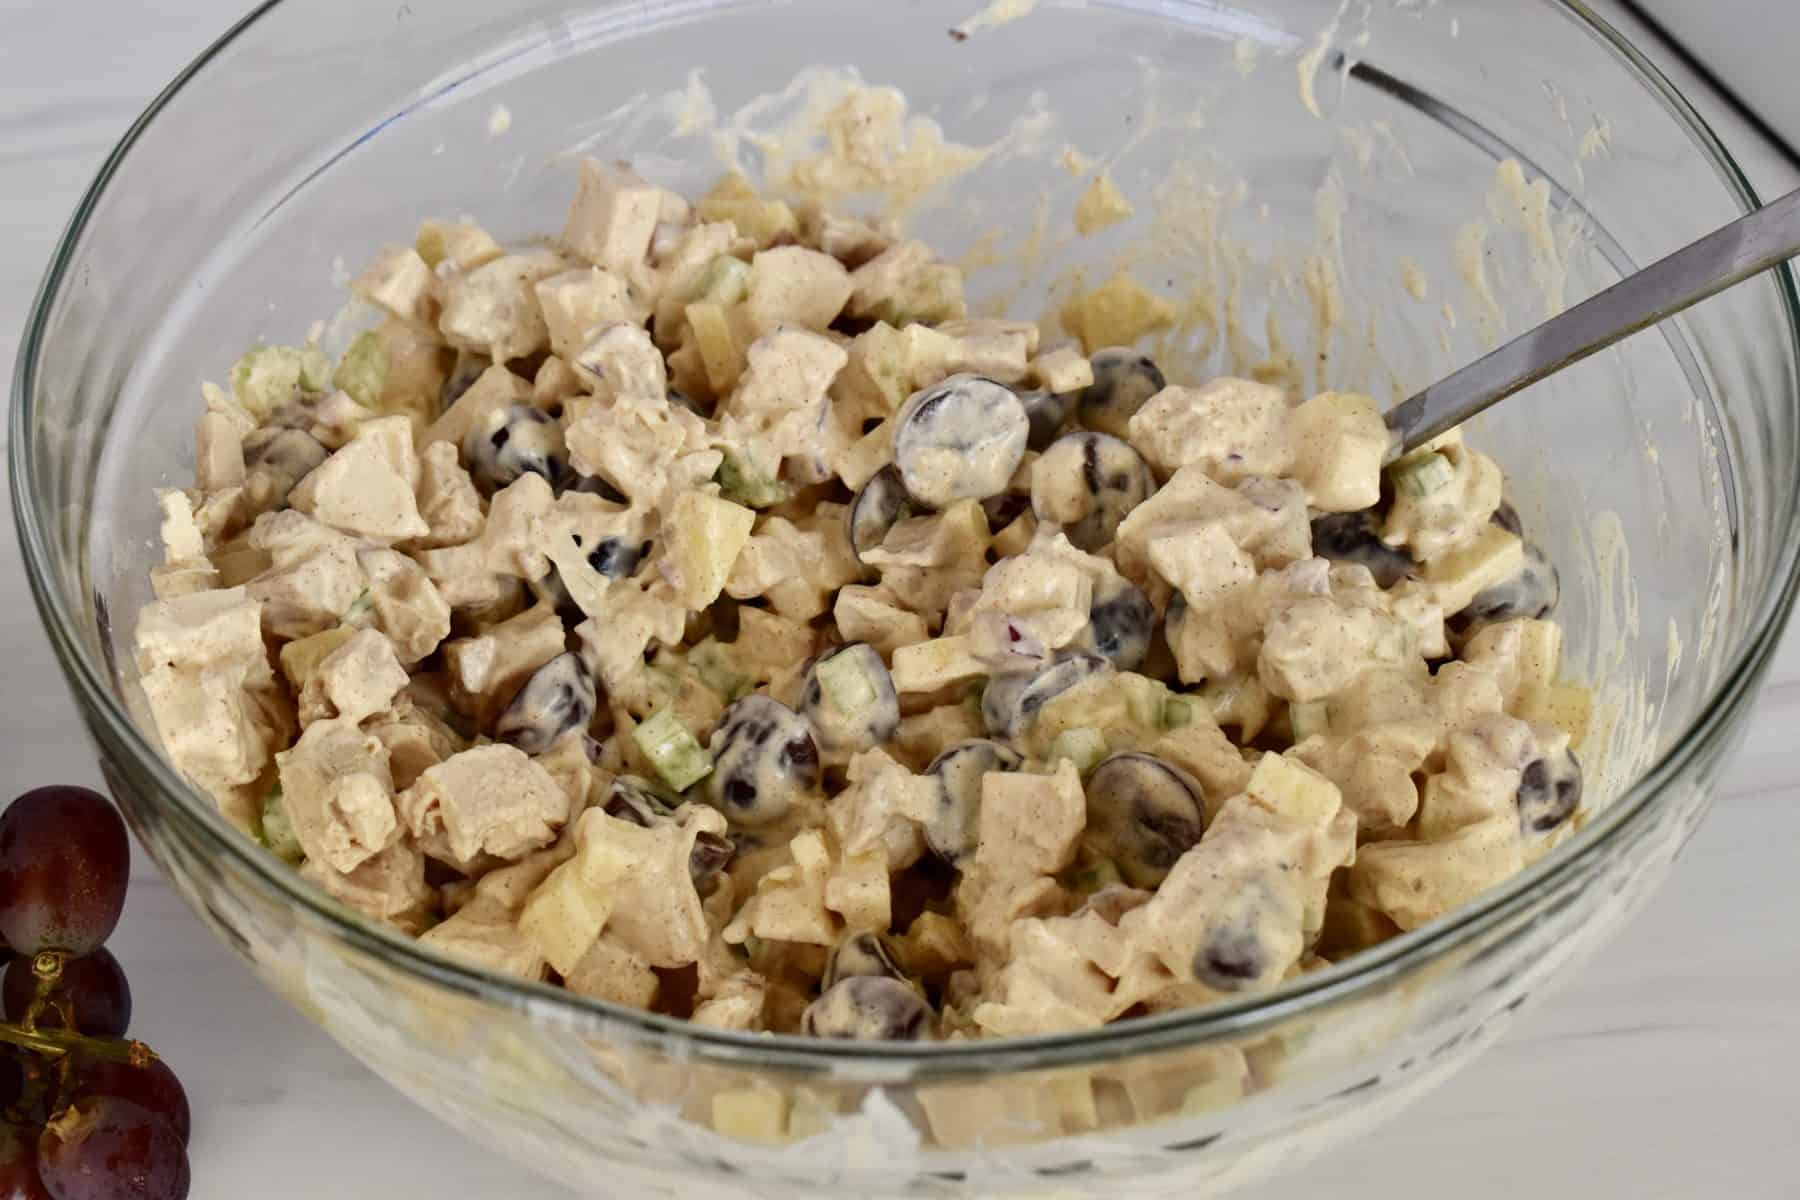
1179,711
1145,699
1084,747
1423,475
743,484
267,377
1309,718
360,608
362,371
679,759
277,831
727,281
432,243
716,665
846,684
1094,874
315,370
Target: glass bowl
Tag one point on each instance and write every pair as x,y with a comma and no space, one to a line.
1322,199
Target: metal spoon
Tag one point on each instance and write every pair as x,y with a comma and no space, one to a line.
1748,246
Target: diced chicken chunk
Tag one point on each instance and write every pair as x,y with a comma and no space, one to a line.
313,579
1029,824
851,241
447,499
205,629
474,575
388,887
611,970
486,935
789,903
577,303
487,671
494,390
791,567
408,606
218,453
366,489
415,741
613,643
339,794
1340,444
1451,517
906,283
619,357
487,800
494,308
867,614
737,1004
657,912
401,282
456,245
997,350
1062,370
778,408
1231,428
647,448
208,722
356,680
791,285
613,216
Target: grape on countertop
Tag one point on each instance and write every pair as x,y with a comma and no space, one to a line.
89,1116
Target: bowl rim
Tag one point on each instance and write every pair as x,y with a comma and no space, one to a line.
110,723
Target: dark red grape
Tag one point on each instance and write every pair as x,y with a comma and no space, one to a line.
110,1149
153,1087
12,1077
95,986
65,861
18,1165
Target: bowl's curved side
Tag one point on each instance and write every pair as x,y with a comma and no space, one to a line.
1204,1120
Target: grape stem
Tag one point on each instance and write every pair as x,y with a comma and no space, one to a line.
47,969
57,1043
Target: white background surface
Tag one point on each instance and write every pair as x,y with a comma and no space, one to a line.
1749,44
1666,1068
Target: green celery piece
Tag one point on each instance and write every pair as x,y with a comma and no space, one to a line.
680,760
362,371
277,830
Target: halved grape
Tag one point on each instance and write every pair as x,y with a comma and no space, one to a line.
93,986
19,1179
153,1088
107,1148
65,861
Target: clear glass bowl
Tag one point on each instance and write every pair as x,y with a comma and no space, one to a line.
317,129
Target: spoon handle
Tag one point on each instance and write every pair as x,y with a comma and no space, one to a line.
1729,255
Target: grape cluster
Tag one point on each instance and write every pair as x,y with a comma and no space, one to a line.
84,1114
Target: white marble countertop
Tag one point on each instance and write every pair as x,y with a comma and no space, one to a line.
1665,1068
